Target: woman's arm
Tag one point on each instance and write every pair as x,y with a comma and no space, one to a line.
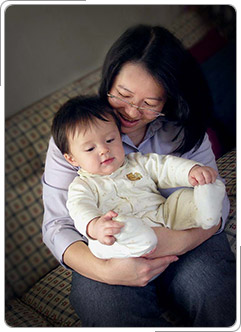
126,271
172,242
58,227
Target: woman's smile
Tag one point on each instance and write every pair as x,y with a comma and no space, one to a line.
126,121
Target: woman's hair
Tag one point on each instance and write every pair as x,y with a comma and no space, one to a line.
77,114
163,56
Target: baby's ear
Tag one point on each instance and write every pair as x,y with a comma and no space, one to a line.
70,159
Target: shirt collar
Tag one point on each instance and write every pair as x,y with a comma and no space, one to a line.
153,127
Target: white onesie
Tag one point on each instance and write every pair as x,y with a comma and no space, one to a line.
132,192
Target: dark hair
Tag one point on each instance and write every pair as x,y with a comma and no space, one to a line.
188,101
78,112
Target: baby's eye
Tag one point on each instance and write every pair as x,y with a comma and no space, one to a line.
110,140
90,149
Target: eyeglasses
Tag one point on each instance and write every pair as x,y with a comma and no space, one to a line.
139,108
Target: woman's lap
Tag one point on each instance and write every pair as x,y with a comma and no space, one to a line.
103,305
201,284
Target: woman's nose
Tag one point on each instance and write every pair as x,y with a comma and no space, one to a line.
132,111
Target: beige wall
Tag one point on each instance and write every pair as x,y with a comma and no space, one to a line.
49,46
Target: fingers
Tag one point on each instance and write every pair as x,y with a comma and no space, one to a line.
109,215
202,175
109,240
109,228
112,227
206,177
213,175
201,179
156,266
160,262
193,181
159,265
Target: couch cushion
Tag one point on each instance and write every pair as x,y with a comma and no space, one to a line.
18,314
49,297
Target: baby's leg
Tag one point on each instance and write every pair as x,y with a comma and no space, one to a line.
198,207
139,238
179,210
134,240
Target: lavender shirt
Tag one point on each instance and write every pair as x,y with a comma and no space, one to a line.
58,228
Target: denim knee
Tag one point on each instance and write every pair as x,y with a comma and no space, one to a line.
102,305
202,284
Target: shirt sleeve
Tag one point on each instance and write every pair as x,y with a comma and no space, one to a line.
58,227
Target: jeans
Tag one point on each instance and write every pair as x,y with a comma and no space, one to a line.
200,286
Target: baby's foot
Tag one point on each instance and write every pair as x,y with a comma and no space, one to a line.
208,199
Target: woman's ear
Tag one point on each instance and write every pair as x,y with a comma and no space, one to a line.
70,159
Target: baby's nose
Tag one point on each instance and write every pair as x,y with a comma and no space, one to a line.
104,149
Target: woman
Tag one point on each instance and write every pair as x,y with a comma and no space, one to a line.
147,74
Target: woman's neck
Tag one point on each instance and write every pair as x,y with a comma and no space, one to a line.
137,137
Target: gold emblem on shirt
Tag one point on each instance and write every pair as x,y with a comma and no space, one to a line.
134,177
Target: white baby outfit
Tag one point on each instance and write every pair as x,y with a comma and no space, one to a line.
132,192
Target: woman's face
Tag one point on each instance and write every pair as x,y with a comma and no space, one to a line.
135,85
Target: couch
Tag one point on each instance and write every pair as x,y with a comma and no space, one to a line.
37,286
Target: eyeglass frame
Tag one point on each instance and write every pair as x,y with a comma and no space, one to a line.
139,108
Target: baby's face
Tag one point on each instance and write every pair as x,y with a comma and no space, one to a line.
98,150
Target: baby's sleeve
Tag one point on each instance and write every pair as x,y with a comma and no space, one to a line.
169,171
82,204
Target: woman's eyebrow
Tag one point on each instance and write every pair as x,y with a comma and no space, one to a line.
152,98
155,98
124,88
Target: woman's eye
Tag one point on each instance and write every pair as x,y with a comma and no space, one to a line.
122,95
149,105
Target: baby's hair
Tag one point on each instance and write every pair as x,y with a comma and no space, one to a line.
79,113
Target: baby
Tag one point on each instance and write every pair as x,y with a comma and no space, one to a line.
114,201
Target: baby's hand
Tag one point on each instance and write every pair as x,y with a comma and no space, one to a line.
202,175
104,228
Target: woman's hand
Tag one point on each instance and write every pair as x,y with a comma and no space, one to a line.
172,242
122,271
136,271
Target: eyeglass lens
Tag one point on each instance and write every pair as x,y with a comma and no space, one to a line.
133,105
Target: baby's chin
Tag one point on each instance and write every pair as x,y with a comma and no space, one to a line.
111,170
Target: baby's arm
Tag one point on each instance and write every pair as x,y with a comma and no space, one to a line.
202,175
104,228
